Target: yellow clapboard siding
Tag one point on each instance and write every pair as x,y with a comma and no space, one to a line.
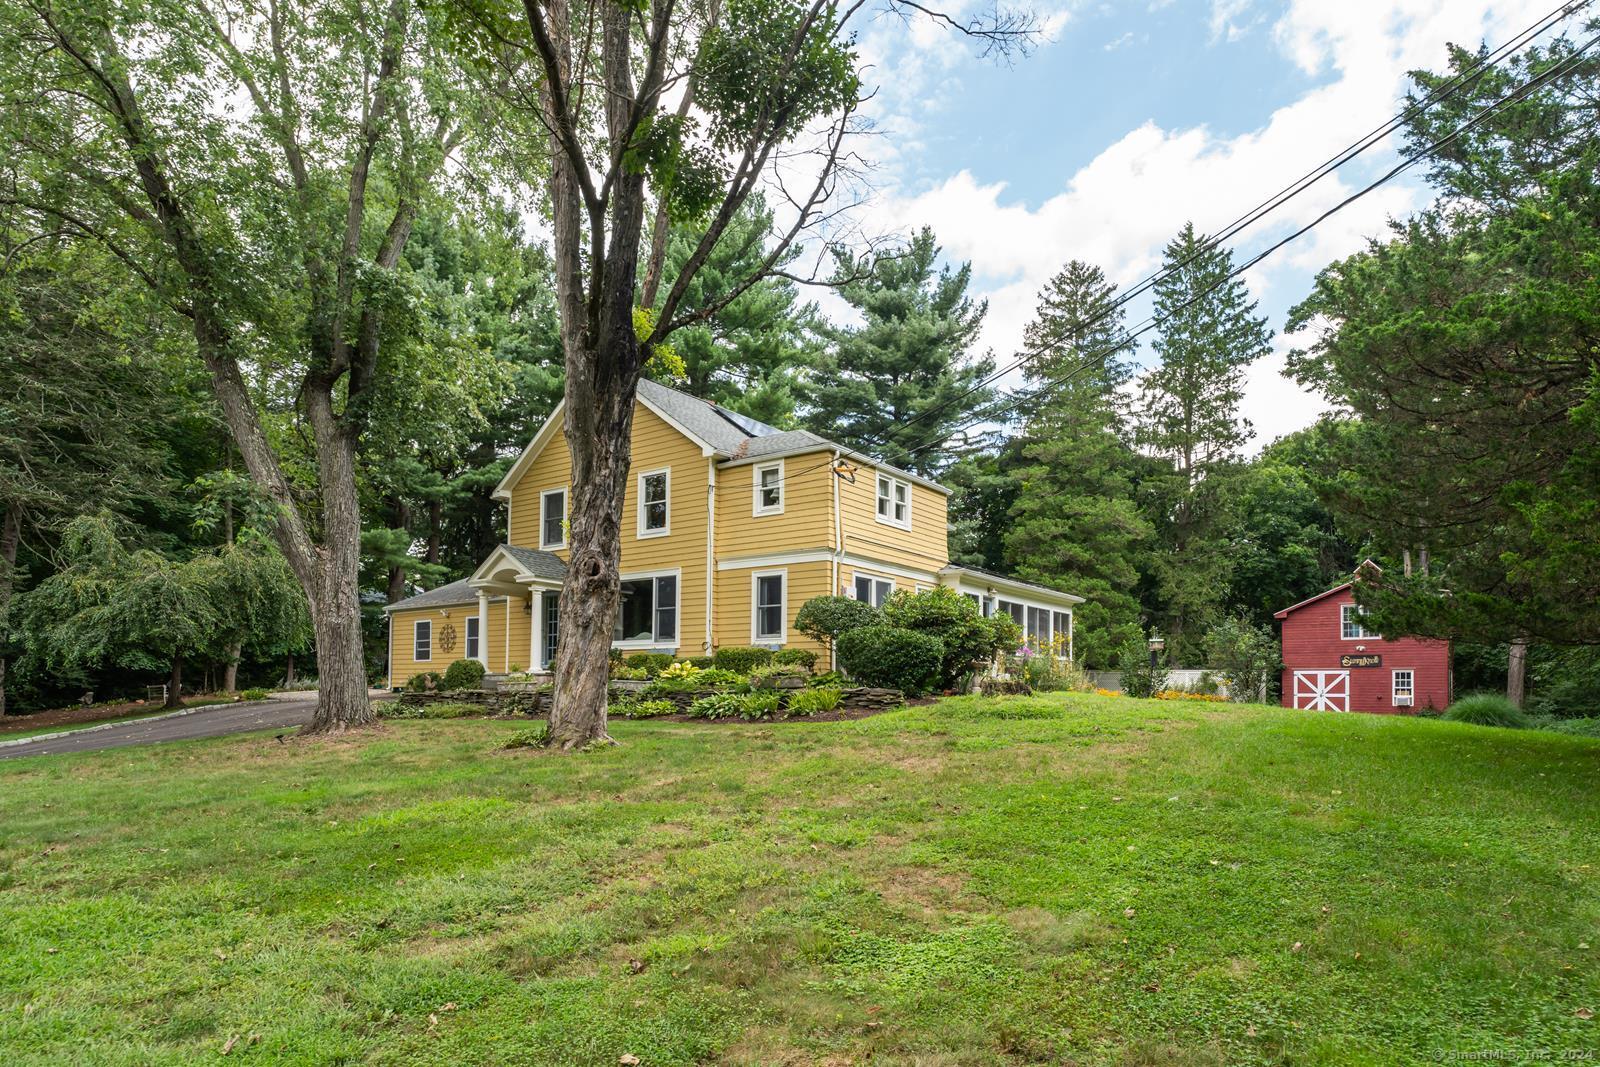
403,662
925,547
736,602
805,523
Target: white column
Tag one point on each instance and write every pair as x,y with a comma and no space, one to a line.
535,625
483,629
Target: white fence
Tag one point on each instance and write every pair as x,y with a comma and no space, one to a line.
1176,679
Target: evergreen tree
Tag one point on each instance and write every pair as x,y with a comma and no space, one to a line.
1074,524
909,360
1188,415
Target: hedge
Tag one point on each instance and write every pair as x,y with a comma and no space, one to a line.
892,658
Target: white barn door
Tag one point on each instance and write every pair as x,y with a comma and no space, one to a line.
1322,690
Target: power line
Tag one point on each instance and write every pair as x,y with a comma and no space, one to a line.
1339,159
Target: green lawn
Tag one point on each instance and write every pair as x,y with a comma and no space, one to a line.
1056,879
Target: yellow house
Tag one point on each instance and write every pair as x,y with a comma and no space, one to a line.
728,527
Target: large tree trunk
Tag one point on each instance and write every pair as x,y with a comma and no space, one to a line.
175,684
1517,670
230,668
10,538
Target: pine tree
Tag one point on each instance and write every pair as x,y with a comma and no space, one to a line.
1074,524
907,361
1188,414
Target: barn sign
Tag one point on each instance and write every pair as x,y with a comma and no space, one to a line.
1369,659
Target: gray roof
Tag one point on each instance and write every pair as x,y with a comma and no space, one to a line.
457,592
543,564
957,569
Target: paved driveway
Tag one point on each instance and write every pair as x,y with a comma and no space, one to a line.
278,713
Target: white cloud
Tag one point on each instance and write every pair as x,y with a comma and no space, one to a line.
1120,208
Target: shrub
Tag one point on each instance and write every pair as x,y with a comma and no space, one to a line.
741,660
1248,657
629,708
891,657
767,677
393,709
814,701
1139,679
426,682
795,657
629,674
825,618
761,704
1575,727
653,663
717,706
463,674
705,663
254,694
967,639
536,736
1487,709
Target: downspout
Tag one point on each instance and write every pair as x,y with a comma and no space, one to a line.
711,555
838,548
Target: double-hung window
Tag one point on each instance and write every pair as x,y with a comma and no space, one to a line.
769,488
894,501
874,591
422,640
647,610
471,651
553,518
1061,629
1015,610
1404,688
655,517
767,606
1350,627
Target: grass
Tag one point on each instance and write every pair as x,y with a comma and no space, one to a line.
981,881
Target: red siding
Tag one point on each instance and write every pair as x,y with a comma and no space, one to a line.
1312,641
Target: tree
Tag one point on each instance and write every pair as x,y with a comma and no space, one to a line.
1188,414
1461,353
1074,524
260,169
902,385
759,81
1247,656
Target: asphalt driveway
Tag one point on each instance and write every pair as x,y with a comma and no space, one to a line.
278,713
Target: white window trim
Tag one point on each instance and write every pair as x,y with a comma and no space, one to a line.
471,643
416,630
639,576
1394,683
641,532
756,508
890,520
874,579
1365,635
546,545
782,636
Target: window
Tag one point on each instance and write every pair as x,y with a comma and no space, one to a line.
769,489
654,519
1350,627
977,601
1061,622
647,610
1404,686
1015,610
766,624
422,640
553,518
894,501
873,591
471,651
1038,628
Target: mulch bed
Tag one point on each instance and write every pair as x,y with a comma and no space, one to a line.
73,716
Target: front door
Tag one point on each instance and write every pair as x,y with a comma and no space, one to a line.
552,611
1322,690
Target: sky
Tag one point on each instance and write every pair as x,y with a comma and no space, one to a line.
1132,118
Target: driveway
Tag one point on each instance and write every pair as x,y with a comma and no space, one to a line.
281,712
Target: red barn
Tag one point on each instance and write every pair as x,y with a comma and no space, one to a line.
1332,663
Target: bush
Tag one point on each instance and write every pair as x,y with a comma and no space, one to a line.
825,618
652,663
426,682
1487,709
814,701
1575,727
463,674
630,708
761,704
1247,656
795,657
967,638
892,658
393,709
629,674
1139,679
254,694
741,660
532,737
705,663
717,706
